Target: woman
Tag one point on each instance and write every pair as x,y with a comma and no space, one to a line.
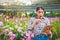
37,23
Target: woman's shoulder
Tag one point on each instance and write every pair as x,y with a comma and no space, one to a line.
45,18
47,21
33,18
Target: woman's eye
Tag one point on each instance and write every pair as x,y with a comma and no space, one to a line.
40,12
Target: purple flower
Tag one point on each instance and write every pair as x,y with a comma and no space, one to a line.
19,29
12,35
5,32
1,22
29,35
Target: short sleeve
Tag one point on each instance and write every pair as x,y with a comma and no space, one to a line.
30,23
47,21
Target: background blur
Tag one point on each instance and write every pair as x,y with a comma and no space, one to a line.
15,16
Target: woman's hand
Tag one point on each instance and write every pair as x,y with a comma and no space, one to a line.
35,22
48,32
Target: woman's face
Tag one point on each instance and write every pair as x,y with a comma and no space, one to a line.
40,12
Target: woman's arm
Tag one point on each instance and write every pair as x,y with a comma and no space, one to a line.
33,23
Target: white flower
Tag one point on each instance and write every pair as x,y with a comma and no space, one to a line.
19,29
20,23
23,14
11,28
26,23
10,33
7,29
16,20
16,26
7,20
28,13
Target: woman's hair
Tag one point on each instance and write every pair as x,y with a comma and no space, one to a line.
38,8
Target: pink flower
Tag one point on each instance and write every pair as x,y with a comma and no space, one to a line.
7,17
12,35
1,22
16,26
5,32
29,35
21,18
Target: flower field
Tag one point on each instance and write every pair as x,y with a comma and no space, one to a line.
14,28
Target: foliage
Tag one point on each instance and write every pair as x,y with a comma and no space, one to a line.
56,29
